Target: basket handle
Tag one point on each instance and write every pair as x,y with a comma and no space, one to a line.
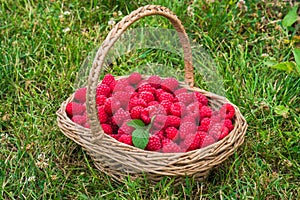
112,37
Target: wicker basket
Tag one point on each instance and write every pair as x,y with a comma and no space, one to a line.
119,160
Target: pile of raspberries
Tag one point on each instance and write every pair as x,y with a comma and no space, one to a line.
182,119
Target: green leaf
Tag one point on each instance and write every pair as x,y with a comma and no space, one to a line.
297,59
282,110
291,17
136,123
140,138
285,66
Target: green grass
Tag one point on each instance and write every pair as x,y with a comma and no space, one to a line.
39,63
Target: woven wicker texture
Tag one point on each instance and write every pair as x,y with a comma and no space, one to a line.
119,160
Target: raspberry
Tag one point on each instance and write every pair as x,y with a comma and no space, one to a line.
120,85
154,143
120,116
153,103
192,141
145,118
134,78
155,110
216,118
74,108
201,98
205,111
160,134
178,109
215,130
100,100
154,81
86,125
116,136
122,97
171,147
166,104
112,86
126,139
172,133
186,129
102,115
137,102
169,84
165,96
208,140
179,91
173,121
202,136
225,131
111,105
146,87
108,79
193,110
147,96
135,112
159,92
79,119
227,111
228,123
188,118
107,128
186,98
204,125
80,95
129,89
159,121
103,89
125,129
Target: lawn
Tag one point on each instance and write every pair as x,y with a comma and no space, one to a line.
43,46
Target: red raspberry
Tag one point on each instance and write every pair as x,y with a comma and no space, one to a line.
120,85
193,110
165,96
201,98
186,129
188,118
121,116
225,131
135,112
205,111
108,79
228,123
126,139
160,134
79,119
186,98
155,110
111,105
216,118
159,92
171,133
192,141
171,147
215,130
112,86
175,109
205,124
74,108
134,78
154,81
80,95
102,115
145,118
147,96
153,103
202,136
129,89
146,88
166,104
100,100
103,89
208,140
154,143
125,129
179,91
122,97
169,84
159,121
173,121
227,111
116,136
137,102
107,128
